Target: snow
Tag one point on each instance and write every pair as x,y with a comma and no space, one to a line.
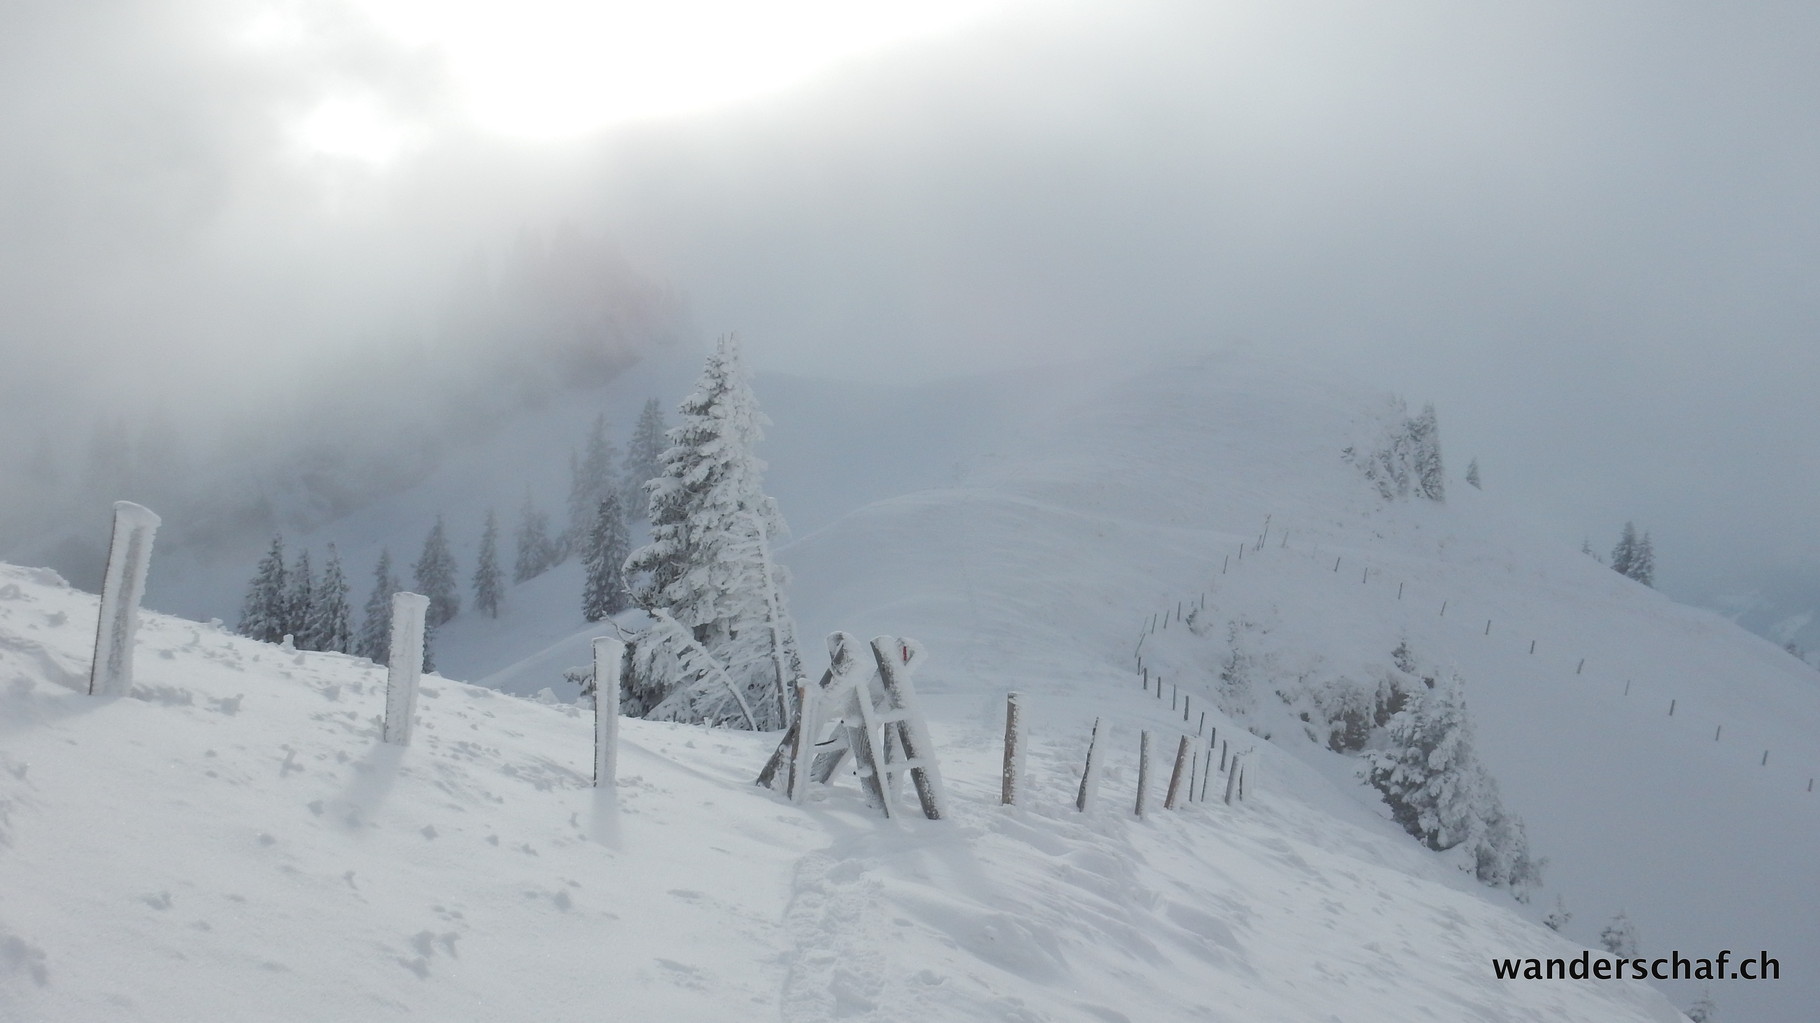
236,841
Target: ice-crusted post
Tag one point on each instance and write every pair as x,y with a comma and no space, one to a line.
1090,775
1143,771
1174,797
405,665
609,659
1232,777
129,554
1011,782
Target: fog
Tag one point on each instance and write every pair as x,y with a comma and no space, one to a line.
1587,232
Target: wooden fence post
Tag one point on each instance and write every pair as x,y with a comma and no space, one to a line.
1232,778
609,657
1173,798
129,554
1090,774
1010,781
405,665
1143,786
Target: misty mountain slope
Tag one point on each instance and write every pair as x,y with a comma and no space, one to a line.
1040,568
233,841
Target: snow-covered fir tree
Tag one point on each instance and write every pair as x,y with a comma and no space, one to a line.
603,560
1703,1010
1425,446
300,601
434,574
329,623
1624,555
1620,936
644,460
488,579
1440,793
1643,561
1406,457
265,613
537,551
590,480
1472,474
708,564
375,641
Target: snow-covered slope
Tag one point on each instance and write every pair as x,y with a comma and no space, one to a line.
276,855
233,842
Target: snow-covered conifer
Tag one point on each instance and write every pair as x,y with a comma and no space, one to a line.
1620,936
264,612
328,626
434,574
1624,555
1440,793
536,550
603,560
1472,474
708,564
1703,1010
1406,457
487,576
644,460
375,642
300,601
590,480
1425,449
1643,562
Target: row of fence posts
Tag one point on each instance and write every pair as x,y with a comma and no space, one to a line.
1364,577
123,590
1189,777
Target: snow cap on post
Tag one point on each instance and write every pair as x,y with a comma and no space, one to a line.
406,667
129,554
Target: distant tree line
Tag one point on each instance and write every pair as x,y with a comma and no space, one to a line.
605,492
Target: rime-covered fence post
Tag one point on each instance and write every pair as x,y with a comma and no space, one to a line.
1143,772
609,659
1232,777
1173,799
129,554
405,665
1011,782
1090,774
897,658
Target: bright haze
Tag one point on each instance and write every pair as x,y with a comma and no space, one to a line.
1588,232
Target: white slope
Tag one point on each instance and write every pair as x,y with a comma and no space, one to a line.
1039,569
233,842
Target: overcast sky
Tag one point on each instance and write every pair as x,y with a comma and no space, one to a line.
1589,231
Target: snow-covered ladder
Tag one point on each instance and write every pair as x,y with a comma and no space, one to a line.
879,722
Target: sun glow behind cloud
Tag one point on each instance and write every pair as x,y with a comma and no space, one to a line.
543,69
